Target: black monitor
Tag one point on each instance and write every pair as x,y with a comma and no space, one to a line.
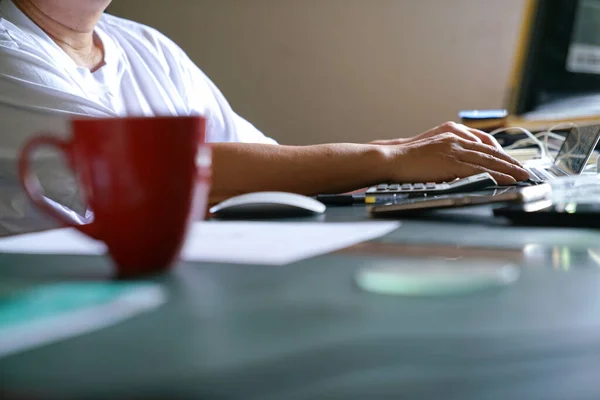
557,68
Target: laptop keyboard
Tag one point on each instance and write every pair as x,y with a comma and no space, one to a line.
539,174
543,174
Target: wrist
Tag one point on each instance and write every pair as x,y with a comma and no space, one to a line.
377,160
392,142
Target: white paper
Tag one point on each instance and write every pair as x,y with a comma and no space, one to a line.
276,243
271,243
57,241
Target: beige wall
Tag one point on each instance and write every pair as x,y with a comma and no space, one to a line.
307,71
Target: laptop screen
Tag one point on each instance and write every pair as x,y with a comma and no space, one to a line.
577,148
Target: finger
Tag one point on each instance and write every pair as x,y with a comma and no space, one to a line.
493,163
468,169
467,135
484,148
486,138
459,130
479,134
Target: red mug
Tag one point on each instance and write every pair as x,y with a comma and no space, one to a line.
141,177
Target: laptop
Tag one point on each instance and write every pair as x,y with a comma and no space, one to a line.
572,157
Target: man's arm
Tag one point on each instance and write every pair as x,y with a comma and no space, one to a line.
331,168
334,168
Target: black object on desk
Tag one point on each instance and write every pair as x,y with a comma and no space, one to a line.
417,205
341,199
545,213
386,192
463,185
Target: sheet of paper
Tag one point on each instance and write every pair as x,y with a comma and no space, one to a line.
271,243
276,243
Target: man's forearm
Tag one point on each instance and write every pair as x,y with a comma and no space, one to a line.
242,167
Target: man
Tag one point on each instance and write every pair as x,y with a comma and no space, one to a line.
63,58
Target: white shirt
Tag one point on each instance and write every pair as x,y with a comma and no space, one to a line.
41,87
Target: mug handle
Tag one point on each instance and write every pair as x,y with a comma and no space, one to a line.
33,188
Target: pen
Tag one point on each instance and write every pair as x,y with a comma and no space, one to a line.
358,198
341,199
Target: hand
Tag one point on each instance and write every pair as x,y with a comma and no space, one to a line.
447,156
474,135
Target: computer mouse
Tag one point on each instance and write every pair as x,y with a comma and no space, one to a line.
268,205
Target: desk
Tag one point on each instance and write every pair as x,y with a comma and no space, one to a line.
305,331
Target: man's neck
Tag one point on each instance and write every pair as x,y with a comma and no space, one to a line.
70,24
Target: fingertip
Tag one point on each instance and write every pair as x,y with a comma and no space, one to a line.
521,176
504,179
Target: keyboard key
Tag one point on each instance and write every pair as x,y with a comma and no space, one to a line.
471,183
539,174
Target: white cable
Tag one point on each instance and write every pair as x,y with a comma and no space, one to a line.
574,147
532,137
536,139
519,144
554,136
550,132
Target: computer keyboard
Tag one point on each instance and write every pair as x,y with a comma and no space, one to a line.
542,174
538,174
468,184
